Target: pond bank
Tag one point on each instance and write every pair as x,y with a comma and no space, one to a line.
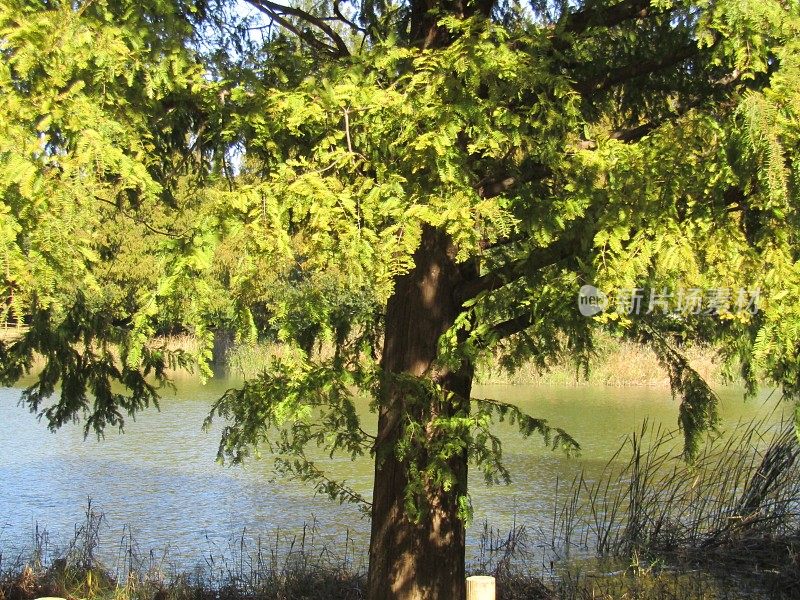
301,569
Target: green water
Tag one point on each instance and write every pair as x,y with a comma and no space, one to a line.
160,481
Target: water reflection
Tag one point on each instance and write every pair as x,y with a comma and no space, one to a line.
160,478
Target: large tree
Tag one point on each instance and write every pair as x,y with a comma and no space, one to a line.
419,185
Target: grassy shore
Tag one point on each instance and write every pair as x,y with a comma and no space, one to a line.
302,571
617,363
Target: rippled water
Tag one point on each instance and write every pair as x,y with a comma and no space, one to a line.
161,480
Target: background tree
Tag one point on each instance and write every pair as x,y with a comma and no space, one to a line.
441,177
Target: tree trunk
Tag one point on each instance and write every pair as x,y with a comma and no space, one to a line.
422,560
425,559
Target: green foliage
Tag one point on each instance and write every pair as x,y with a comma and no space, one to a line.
698,411
291,405
487,448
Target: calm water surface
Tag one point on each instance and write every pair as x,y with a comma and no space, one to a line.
160,478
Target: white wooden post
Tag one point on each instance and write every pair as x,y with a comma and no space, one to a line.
480,587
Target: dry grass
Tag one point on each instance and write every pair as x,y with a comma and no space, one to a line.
11,332
618,364
288,567
184,342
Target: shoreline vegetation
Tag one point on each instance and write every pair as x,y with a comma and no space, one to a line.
650,526
617,363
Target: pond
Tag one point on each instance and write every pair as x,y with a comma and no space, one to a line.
160,482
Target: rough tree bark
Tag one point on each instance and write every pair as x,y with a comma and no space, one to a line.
423,560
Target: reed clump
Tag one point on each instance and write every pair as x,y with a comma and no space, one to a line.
287,567
734,511
652,525
71,571
741,487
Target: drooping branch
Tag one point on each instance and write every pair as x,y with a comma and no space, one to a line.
528,425
300,467
281,14
698,412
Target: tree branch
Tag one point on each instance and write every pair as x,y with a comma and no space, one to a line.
634,134
339,15
490,188
539,258
607,16
142,222
628,136
512,326
638,69
279,12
